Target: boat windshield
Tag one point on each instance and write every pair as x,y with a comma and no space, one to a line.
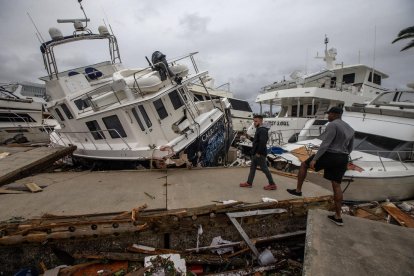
384,146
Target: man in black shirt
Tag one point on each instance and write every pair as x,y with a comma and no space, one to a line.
259,153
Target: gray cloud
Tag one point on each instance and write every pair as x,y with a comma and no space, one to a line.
247,43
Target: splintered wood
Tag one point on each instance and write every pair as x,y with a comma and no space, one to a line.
401,217
33,187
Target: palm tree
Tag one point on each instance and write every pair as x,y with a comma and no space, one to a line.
404,34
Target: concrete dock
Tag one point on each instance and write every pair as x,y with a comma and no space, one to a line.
360,247
74,193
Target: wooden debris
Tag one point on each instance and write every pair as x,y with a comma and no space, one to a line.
4,154
115,256
33,187
401,217
151,250
282,173
7,191
301,153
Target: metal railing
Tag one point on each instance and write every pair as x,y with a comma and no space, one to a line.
89,135
277,137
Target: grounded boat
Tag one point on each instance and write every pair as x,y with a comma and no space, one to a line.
143,115
304,99
22,116
382,163
241,112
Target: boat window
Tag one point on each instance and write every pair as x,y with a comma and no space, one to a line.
384,146
309,109
348,78
406,97
295,111
377,78
67,111
159,106
81,104
175,99
95,130
59,114
145,116
240,105
16,117
134,111
114,126
198,97
384,98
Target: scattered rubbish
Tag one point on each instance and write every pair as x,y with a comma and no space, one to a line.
266,257
199,233
138,248
4,154
268,199
219,241
33,187
401,217
406,206
167,264
150,196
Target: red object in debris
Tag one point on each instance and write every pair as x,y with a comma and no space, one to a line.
197,269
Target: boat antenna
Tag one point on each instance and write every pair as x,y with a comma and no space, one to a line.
86,18
373,61
38,34
109,24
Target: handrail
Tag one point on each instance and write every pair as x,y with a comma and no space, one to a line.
95,131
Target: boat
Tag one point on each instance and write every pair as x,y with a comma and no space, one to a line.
241,112
144,116
23,118
382,162
304,99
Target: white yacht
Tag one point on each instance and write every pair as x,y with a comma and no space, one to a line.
304,99
241,112
383,158
23,119
144,115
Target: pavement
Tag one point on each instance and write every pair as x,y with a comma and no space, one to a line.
360,247
75,193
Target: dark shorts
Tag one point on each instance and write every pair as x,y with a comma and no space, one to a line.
333,164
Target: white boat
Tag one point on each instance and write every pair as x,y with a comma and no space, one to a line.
241,112
383,157
23,119
144,115
304,99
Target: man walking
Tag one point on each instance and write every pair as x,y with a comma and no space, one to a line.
332,156
259,153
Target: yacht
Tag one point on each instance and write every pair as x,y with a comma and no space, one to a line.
141,115
382,163
304,99
23,118
241,112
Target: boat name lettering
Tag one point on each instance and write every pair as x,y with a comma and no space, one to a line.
280,123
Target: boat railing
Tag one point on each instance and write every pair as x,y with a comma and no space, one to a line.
402,157
78,136
18,121
279,137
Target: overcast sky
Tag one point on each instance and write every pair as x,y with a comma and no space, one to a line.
247,43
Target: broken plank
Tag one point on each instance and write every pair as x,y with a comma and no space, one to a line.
6,191
33,187
22,164
401,217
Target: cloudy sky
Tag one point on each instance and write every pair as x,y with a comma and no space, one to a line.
247,43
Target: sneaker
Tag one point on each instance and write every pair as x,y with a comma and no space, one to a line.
245,185
270,187
294,192
339,222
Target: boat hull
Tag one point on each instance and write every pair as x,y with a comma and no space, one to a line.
371,188
209,149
